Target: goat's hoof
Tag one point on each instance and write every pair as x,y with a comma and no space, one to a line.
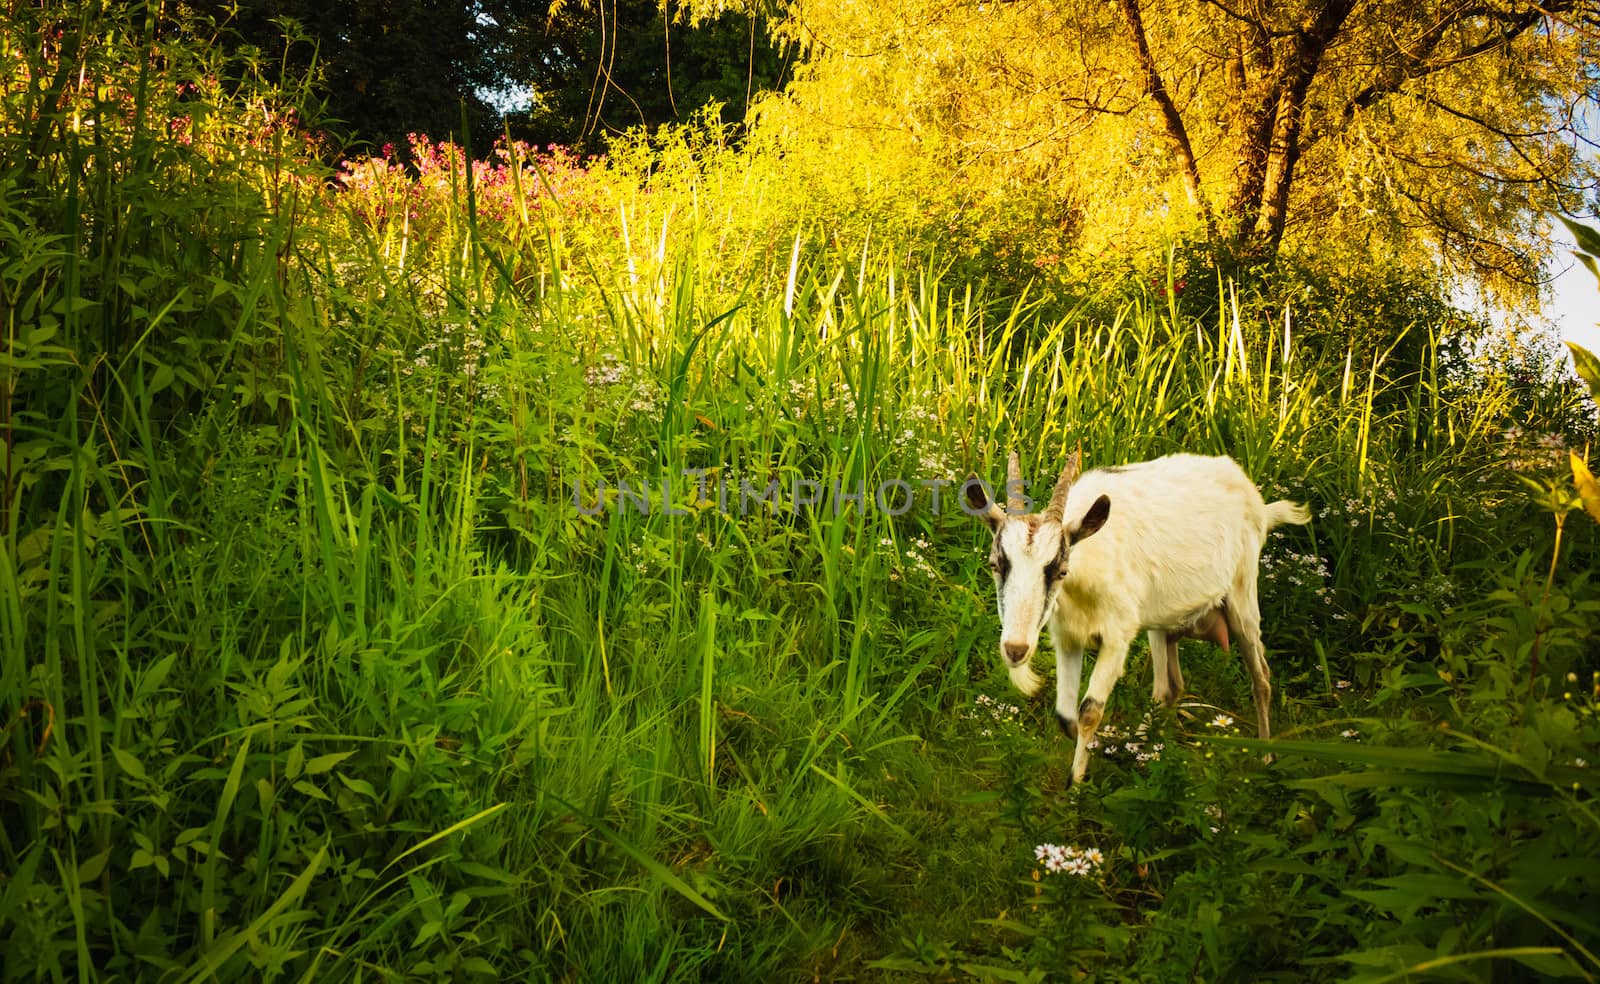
1069,727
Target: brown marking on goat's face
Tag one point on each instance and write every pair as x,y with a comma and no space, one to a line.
1034,521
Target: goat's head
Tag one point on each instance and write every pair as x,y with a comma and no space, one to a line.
1029,557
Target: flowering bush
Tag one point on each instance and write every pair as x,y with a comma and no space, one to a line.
425,197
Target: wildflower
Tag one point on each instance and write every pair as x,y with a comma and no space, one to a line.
1349,733
1222,721
1053,856
1343,684
1068,860
1580,763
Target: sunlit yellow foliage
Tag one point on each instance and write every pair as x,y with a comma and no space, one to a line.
1440,133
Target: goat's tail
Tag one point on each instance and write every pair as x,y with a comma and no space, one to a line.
1285,512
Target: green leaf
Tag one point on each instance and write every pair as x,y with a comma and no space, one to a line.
357,785
987,972
1587,238
1588,366
128,763
1551,965
1588,489
426,932
189,835
312,791
160,379
154,677
1011,925
487,873
325,763
90,869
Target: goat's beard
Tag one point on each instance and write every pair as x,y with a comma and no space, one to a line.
1024,679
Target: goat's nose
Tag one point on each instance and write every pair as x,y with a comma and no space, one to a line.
1016,652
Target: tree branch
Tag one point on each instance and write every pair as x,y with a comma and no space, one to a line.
1258,25
1156,89
1420,65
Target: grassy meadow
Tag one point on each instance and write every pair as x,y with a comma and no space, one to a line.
312,667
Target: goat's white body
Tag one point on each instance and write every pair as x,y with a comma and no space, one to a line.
1178,548
1182,531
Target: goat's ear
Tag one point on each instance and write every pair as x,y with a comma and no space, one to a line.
978,502
1093,519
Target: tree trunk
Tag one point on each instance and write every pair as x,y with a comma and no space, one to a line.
1284,152
1271,143
1171,119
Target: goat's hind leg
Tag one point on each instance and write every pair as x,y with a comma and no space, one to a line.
1166,685
1244,618
1174,674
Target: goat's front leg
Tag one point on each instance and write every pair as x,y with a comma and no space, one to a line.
1108,667
1069,675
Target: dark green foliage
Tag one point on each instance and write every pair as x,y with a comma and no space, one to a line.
387,70
596,71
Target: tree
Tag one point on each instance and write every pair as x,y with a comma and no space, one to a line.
594,68
387,67
393,67
1442,130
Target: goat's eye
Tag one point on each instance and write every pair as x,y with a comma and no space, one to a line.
1000,565
1052,570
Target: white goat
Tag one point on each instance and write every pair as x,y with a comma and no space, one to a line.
1176,552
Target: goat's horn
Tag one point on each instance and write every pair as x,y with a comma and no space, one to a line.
1016,502
1058,499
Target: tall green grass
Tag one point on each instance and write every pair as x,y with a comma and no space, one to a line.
312,669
